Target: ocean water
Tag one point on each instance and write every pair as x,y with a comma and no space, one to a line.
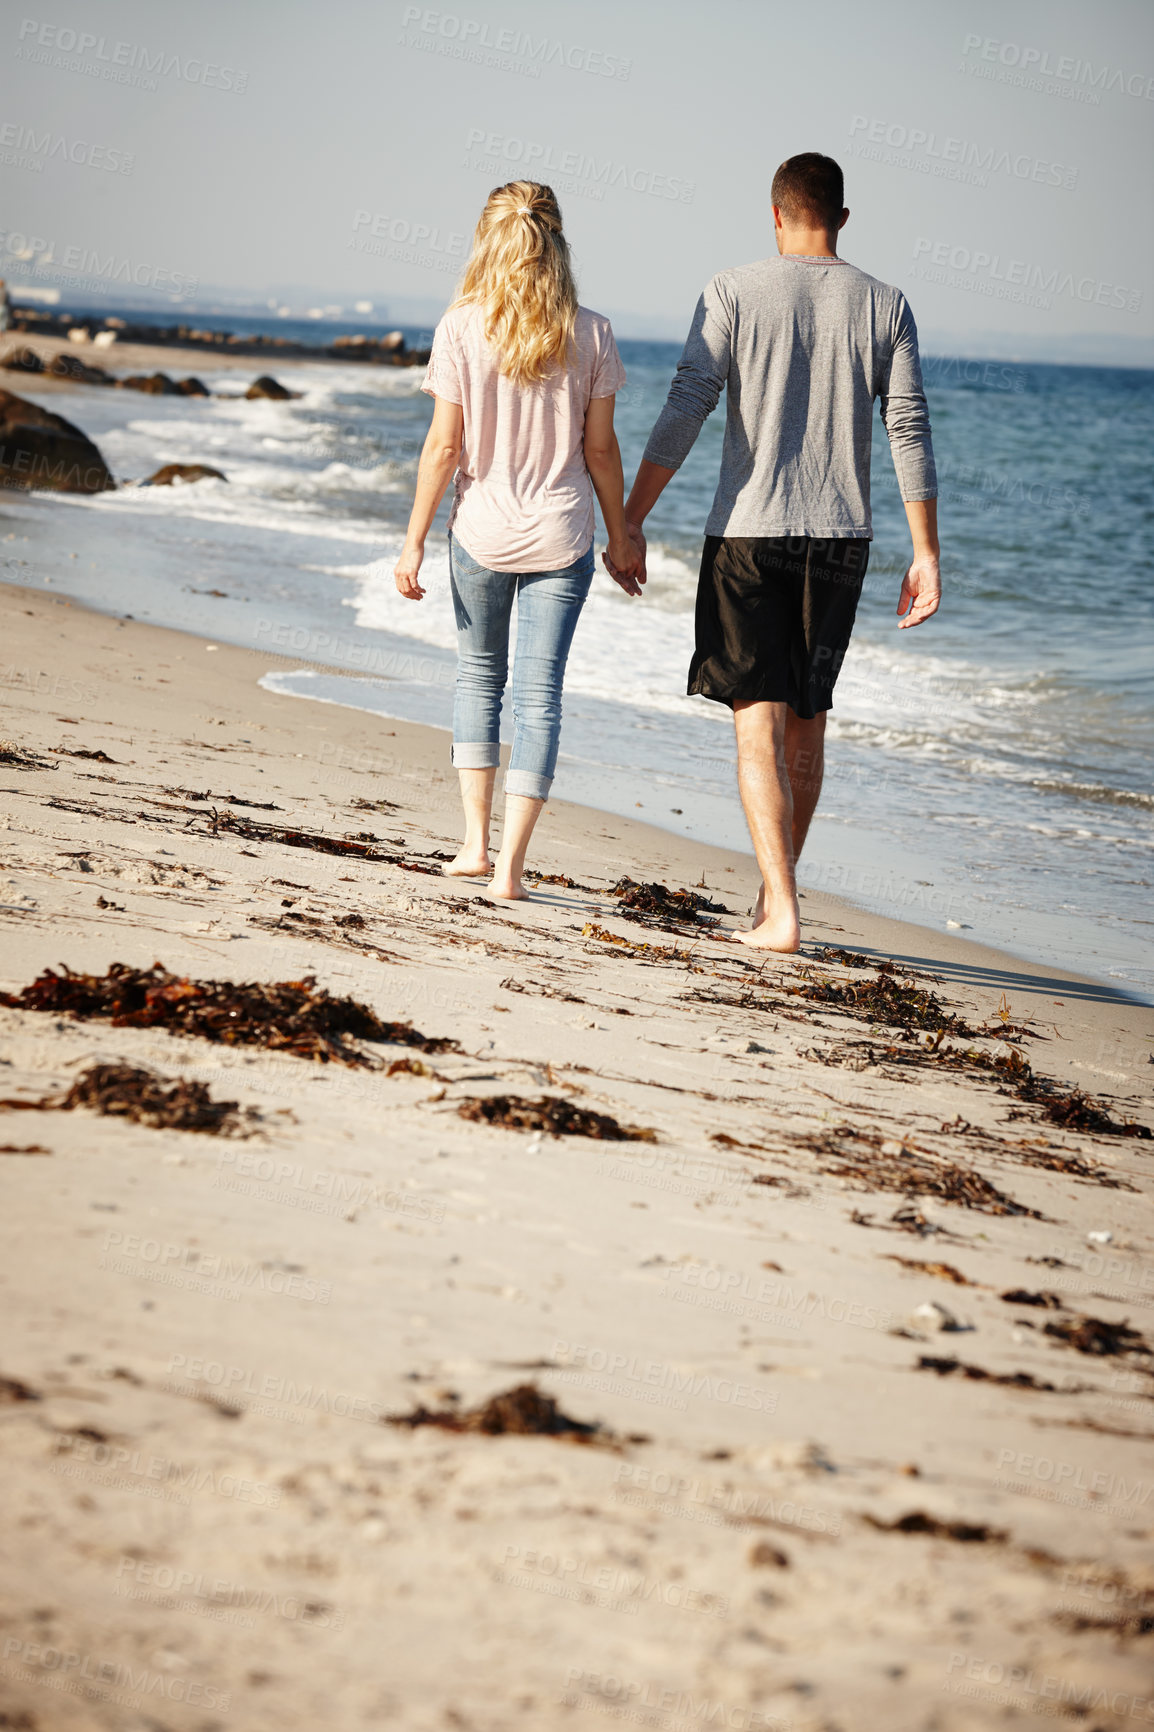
990,771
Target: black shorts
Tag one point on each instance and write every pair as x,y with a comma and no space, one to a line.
774,617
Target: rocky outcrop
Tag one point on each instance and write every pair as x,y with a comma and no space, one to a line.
44,451
23,361
192,387
184,473
80,372
266,386
155,384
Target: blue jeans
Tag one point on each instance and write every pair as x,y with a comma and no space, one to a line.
548,606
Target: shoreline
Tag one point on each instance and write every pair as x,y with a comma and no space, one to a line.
900,928
368,350
859,1322
961,959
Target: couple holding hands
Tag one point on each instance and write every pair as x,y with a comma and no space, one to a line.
523,380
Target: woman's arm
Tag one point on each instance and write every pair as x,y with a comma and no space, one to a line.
439,458
603,461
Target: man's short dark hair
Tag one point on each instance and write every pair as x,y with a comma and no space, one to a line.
810,187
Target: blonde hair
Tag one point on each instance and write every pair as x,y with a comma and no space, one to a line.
520,276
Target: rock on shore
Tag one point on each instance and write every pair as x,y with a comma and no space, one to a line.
267,386
42,450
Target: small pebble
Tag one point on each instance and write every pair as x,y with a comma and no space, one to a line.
933,1316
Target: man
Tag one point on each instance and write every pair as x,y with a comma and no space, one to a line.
804,342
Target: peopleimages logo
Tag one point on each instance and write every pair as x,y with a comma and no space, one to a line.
1015,279
472,39
1036,63
120,62
24,147
914,143
77,265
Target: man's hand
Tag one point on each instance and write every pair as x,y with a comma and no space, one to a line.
921,590
625,562
406,572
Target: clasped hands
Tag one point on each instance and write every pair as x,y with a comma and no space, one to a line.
625,560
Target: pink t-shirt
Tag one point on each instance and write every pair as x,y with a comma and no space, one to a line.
524,500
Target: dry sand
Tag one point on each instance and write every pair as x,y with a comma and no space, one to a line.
211,1524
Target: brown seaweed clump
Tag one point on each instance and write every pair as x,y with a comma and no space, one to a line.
1097,1336
886,1000
550,1113
657,905
522,1411
129,1092
918,1522
881,1165
283,1016
978,1374
854,959
16,757
1069,1109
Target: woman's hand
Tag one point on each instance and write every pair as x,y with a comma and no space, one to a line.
407,572
625,562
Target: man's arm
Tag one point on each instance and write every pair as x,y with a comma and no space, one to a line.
922,585
906,417
697,385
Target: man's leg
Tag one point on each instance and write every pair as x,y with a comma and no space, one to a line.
805,763
767,798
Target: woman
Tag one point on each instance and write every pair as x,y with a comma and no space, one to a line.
523,381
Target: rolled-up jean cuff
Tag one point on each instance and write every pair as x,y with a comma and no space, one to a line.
527,785
484,755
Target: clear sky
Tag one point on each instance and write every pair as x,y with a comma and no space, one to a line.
997,153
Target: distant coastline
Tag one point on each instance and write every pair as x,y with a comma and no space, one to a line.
389,349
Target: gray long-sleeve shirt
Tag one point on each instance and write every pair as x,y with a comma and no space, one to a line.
803,345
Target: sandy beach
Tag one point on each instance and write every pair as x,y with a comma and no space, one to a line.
863,1327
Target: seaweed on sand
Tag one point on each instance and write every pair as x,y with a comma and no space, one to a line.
1069,1109
886,1000
562,879
978,1374
284,1016
1097,1336
854,959
918,1522
17,758
880,1164
361,847
550,1113
647,952
229,799
79,752
131,1092
944,1271
522,1411
537,990
656,905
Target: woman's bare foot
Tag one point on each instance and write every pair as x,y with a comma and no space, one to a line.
506,891
469,863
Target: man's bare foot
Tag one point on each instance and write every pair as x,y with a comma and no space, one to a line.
469,863
783,934
508,892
